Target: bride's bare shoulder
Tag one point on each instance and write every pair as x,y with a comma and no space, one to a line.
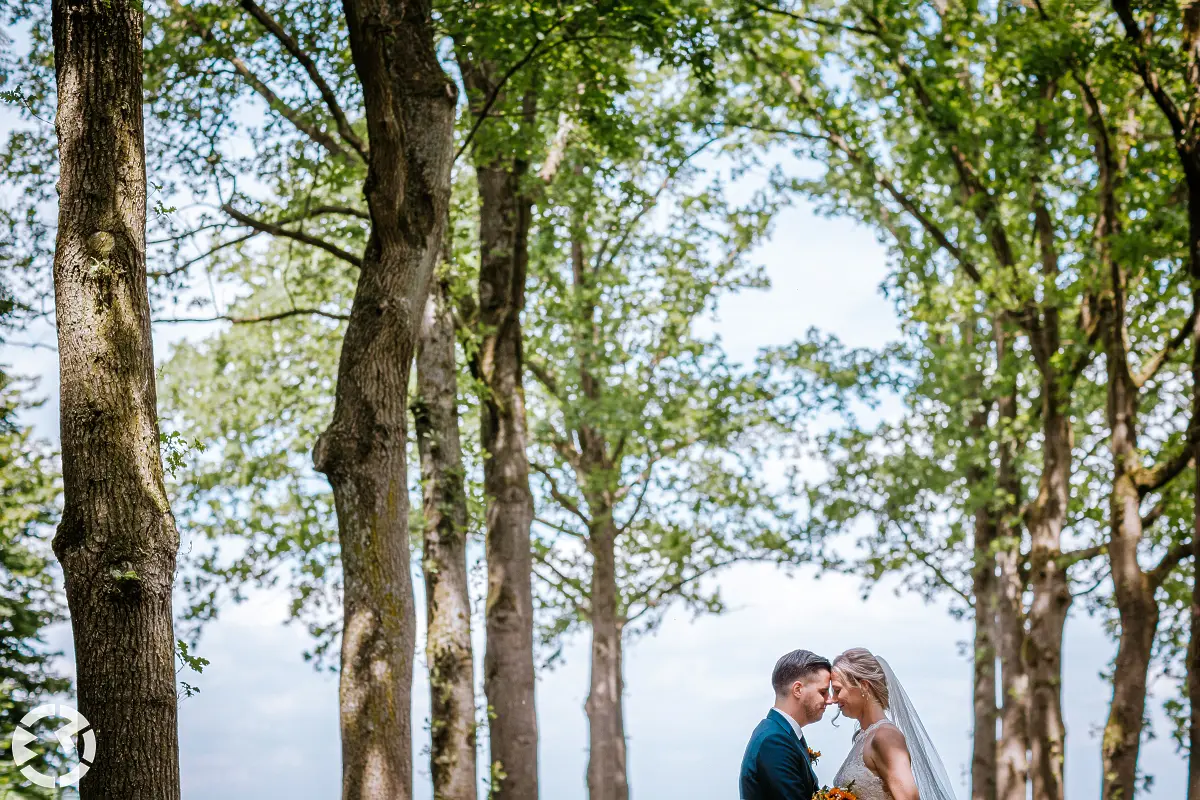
887,740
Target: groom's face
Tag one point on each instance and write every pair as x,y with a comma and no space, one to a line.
812,695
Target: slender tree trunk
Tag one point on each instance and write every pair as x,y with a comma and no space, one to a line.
606,775
1012,754
448,649
983,761
1192,172
409,105
117,541
1050,605
1012,746
508,661
985,588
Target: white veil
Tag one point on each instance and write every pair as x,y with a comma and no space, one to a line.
933,782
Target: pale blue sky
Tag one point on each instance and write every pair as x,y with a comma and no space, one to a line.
265,724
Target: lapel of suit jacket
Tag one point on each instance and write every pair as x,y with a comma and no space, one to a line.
782,722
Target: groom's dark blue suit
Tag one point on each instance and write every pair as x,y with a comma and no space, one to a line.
776,765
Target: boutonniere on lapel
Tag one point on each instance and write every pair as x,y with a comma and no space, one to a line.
814,755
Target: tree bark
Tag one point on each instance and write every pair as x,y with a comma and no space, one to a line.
509,680
1012,747
117,541
1051,603
1192,172
508,662
607,776
985,587
1133,590
448,649
409,105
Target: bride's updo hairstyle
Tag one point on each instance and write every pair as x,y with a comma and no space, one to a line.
859,669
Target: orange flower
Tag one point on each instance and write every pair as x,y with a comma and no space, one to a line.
814,755
836,793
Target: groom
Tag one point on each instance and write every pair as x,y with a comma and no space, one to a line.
777,765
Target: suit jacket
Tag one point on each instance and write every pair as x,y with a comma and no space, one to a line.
776,766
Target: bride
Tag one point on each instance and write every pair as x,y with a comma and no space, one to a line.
892,757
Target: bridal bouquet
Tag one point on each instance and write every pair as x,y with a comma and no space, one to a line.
835,793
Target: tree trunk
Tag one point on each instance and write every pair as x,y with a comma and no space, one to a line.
984,591
448,649
983,760
1050,604
1012,747
606,775
508,661
409,105
504,219
1136,606
1192,171
117,541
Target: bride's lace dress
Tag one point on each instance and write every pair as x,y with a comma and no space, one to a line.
867,785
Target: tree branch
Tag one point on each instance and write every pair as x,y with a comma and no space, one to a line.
1150,78
1158,476
559,497
1162,356
653,599
933,567
278,230
881,179
600,259
539,371
1072,557
819,23
292,46
184,266
1173,558
284,109
1153,515
295,312
558,149
494,93
560,528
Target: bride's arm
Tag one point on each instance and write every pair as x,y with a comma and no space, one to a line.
887,756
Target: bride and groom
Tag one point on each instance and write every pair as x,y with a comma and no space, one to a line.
892,757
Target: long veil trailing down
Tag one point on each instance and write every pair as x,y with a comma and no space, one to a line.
933,782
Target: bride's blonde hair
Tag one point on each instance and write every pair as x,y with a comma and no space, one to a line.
859,669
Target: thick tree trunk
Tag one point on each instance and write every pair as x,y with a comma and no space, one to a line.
985,588
508,661
1136,606
606,775
409,105
448,649
117,541
1050,604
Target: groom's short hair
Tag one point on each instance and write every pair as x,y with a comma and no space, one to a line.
796,666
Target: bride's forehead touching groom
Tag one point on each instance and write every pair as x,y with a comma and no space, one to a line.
778,764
